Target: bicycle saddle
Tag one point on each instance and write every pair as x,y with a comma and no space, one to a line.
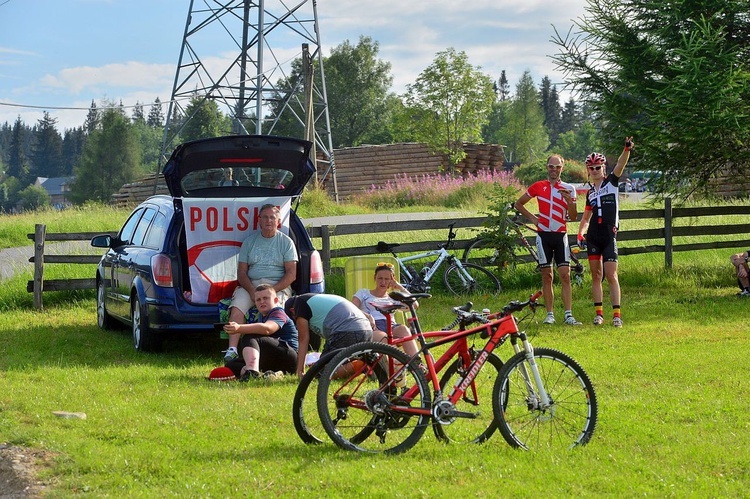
407,298
384,247
387,308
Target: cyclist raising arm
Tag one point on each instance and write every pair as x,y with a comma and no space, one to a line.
599,223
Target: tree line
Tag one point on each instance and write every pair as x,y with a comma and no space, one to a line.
112,148
678,79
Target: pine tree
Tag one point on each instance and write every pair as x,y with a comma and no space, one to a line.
47,151
92,119
138,116
111,158
503,87
155,115
18,162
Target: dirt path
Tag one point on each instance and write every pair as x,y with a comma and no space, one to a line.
19,468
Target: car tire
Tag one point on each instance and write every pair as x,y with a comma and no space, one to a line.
144,339
103,320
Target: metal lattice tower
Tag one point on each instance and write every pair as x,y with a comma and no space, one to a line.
254,44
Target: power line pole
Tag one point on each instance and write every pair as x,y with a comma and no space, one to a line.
238,53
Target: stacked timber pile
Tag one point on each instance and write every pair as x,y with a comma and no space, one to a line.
729,184
133,193
481,157
359,168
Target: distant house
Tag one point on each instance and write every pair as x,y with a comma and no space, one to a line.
58,189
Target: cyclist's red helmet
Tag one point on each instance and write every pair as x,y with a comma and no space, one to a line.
595,158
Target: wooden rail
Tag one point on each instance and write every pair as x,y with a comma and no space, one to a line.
39,284
665,235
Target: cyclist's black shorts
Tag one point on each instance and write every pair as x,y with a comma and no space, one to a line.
552,245
602,244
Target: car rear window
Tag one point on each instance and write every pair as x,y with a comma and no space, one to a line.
237,176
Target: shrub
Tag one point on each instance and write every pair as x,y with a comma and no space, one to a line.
452,191
574,172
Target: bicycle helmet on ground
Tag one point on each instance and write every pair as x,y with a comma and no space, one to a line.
595,158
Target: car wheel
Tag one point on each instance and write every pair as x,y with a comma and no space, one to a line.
102,316
144,339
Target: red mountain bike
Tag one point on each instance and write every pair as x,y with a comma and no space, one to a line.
541,397
452,364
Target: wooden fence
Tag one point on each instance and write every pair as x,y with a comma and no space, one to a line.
39,284
667,233
664,235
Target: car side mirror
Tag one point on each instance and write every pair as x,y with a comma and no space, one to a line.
103,241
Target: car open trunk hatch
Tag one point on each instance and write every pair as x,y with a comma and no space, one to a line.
239,166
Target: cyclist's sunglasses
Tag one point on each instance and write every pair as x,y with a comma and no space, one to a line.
383,265
597,168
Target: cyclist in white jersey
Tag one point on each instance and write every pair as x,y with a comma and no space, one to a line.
599,223
557,204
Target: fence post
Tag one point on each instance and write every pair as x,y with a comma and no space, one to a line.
325,236
668,233
40,234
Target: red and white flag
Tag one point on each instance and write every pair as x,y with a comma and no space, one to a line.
215,229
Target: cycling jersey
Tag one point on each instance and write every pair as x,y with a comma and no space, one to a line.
553,210
604,202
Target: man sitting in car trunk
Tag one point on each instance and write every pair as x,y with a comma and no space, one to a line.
267,256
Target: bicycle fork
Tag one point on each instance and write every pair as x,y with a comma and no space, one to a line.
538,398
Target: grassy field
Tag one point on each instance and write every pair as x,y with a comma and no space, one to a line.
671,387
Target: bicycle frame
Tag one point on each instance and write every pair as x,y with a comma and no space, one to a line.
441,253
498,331
459,349
524,242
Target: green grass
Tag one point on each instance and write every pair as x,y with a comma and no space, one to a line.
671,387
88,218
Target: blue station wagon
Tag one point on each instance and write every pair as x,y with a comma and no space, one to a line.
175,257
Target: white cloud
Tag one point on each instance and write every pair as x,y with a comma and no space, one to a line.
512,35
126,75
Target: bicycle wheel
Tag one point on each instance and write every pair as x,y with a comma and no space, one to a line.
354,406
568,421
481,252
477,400
304,408
482,280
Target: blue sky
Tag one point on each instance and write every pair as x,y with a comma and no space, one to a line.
66,53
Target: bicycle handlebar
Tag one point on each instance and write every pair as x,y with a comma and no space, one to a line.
466,316
516,306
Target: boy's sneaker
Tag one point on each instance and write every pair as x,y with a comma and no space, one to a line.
248,375
550,319
571,321
230,355
617,321
744,293
273,375
598,320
